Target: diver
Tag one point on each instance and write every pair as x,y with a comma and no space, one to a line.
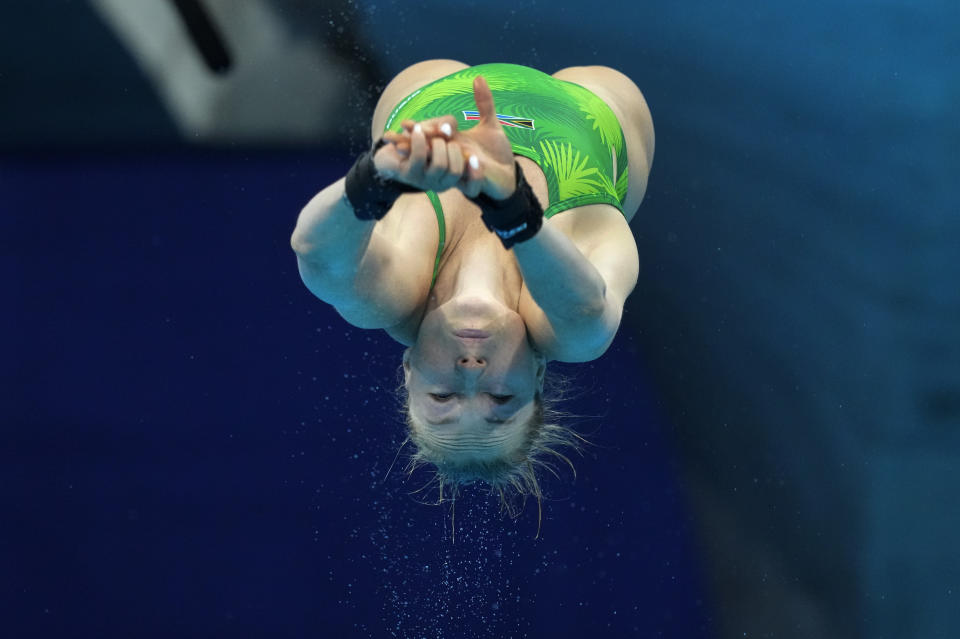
487,230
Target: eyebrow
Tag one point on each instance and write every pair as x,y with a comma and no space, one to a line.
489,420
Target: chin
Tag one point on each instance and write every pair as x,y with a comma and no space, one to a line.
475,312
478,306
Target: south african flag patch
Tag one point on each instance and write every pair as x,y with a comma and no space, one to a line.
505,120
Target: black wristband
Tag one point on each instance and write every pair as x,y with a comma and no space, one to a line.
516,218
370,195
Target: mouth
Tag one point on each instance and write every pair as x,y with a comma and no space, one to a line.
471,333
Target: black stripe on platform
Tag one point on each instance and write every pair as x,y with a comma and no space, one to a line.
205,35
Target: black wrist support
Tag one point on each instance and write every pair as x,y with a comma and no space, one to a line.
516,218
370,195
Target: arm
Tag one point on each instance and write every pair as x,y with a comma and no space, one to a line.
328,236
347,263
357,265
575,291
561,280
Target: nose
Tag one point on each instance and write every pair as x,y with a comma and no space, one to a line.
471,362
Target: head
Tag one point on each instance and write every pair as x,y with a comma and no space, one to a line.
474,402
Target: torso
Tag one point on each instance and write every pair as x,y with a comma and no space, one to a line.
413,228
582,225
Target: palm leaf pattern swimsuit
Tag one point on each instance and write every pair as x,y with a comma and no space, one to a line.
566,129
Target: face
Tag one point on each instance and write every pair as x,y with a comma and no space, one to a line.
471,377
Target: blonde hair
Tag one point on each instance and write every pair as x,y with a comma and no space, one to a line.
514,478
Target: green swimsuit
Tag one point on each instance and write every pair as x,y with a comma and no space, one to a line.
568,131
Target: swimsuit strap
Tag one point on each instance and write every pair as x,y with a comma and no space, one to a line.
435,200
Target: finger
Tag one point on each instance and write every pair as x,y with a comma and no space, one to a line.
472,179
387,161
401,141
398,139
484,99
438,160
427,129
455,160
455,164
418,151
445,125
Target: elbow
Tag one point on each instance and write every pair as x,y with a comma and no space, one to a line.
587,310
581,315
297,244
603,324
300,240
597,306
300,243
586,314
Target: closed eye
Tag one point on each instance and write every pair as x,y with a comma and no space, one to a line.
442,397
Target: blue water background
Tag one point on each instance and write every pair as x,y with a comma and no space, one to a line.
199,445
168,464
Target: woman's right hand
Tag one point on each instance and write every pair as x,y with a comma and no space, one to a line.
428,162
